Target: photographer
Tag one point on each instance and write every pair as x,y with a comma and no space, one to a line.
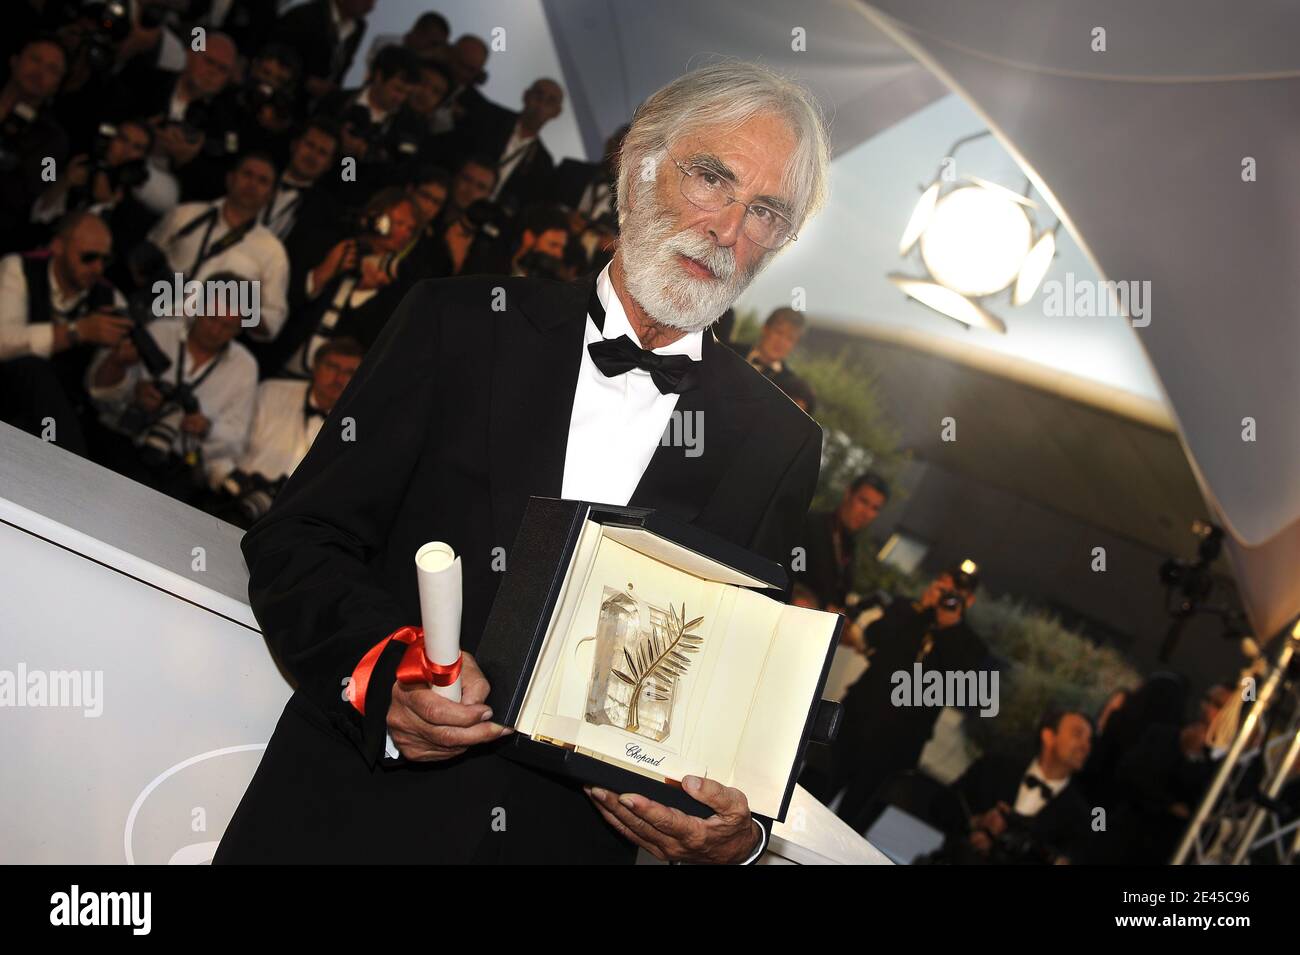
225,235
543,234
194,113
375,131
54,307
878,738
29,135
353,289
101,182
1033,815
182,427
267,99
468,220
290,413
830,542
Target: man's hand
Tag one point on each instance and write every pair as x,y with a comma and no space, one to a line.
147,396
994,821
196,424
103,328
425,727
725,838
342,257
178,149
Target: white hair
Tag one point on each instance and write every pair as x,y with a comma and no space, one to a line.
728,94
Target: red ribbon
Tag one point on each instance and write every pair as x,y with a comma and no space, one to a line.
414,667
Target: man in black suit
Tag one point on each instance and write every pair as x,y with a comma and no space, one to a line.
779,337
1036,814
327,34
480,392
512,140
879,736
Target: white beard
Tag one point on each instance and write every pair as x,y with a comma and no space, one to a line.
655,278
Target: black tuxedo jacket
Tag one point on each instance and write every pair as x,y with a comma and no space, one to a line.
458,413
485,133
1063,824
309,29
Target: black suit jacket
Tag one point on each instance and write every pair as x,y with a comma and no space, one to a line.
309,29
1062,825
459,413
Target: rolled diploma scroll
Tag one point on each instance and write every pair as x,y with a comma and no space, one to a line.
438,574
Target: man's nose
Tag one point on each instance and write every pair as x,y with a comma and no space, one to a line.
727,223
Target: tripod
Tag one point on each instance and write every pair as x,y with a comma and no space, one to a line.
1227,824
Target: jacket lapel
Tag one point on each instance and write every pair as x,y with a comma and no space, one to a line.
534,378
701,441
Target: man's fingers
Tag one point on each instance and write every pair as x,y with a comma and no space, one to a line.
474,687
723,800
625,832
634,823
671,822
440,711
445,737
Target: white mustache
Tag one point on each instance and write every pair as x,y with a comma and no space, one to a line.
718,260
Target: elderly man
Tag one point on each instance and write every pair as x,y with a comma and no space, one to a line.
480,392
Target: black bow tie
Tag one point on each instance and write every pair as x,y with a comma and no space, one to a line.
1034,782
616,356
309,412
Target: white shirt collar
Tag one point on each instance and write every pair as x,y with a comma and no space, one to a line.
616,324
1055,785
376,114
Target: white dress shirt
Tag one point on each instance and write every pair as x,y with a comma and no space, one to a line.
258,256
227,395
1030,799
617,422
282,431
17,336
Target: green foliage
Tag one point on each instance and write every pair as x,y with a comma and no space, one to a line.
858,432
1047,666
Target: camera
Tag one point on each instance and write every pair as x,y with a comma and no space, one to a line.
253,494
950,600
156,434
257,96
128,175
1017,845
542,266
486,217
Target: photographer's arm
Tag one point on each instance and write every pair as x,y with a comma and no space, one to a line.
311,587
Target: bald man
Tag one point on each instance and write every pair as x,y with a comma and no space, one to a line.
55,307
524,164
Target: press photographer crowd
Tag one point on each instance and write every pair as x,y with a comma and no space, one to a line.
284,216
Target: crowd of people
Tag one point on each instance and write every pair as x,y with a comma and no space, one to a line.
1145,759
214,142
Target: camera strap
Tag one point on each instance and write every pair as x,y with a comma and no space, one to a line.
227,241
180,358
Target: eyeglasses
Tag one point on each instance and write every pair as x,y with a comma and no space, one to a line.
705,189
90,258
